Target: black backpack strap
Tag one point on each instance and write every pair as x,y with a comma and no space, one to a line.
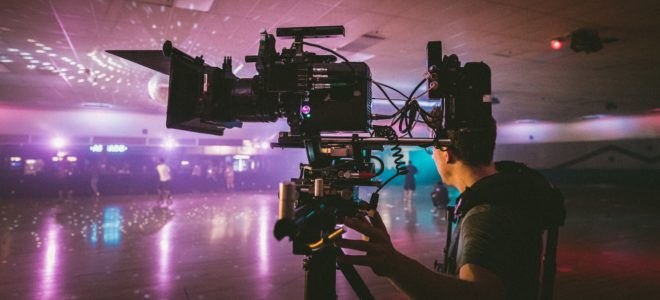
549,264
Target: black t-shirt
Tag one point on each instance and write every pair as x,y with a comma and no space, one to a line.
501,221
496,238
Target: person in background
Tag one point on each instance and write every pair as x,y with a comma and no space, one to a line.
409,186
440,198
63,174
165,177
196,176
229,177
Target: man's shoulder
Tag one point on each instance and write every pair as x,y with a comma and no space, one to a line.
487,211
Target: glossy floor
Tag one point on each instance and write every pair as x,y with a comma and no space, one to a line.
220,246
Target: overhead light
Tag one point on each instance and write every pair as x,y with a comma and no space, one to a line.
593,117
526,121
58,142
170,143
556,44
198,5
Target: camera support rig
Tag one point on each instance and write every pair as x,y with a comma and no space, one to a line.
312,205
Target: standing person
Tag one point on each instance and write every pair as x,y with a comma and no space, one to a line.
196,176
165,177
229,177
409,186
502,213
440,198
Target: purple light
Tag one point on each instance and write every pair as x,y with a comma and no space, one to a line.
170,143
58,142
305,109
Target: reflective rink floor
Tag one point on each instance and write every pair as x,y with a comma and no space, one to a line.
220,246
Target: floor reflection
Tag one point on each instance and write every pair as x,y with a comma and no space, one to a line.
112,226
221,246
164,259
48,281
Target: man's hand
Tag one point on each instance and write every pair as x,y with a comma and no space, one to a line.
381,255
411,277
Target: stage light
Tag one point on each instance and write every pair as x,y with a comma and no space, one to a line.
56,158
185,163
306,111
170,143
71,159
58,142
265,145
15,159
556,44
30,161
241,156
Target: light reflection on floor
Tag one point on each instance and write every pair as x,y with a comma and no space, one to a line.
221,246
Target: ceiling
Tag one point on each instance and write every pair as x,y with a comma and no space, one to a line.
52,52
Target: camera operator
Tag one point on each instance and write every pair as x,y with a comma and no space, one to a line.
496,249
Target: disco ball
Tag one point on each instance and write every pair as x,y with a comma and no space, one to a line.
158,87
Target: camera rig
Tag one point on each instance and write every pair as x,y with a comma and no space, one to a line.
320,97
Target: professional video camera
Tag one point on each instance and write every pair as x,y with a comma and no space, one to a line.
320,97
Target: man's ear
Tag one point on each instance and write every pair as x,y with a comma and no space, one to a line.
449,156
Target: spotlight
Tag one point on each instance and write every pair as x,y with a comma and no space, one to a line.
556,44
58,142
170,143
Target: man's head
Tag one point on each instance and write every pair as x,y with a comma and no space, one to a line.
161,160
469,149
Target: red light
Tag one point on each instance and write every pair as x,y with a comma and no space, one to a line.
556,44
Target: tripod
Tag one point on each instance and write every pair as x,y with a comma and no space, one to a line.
320,276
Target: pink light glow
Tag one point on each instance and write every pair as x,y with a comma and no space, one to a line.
264,234
556,44
47,282
58,142
164,258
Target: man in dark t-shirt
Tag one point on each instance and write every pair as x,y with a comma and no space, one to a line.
497,248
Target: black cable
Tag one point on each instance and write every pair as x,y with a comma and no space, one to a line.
378,85
400,166
406,118
382,165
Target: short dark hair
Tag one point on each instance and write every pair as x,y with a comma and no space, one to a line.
474,147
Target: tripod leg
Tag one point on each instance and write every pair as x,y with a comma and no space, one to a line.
354,279
320,275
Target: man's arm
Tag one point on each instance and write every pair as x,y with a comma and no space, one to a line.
410,276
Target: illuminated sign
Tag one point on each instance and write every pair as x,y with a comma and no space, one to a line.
96,148
119,148
112,148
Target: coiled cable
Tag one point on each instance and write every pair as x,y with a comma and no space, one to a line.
400,166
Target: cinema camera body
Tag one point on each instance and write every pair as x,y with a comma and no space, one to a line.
327,105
